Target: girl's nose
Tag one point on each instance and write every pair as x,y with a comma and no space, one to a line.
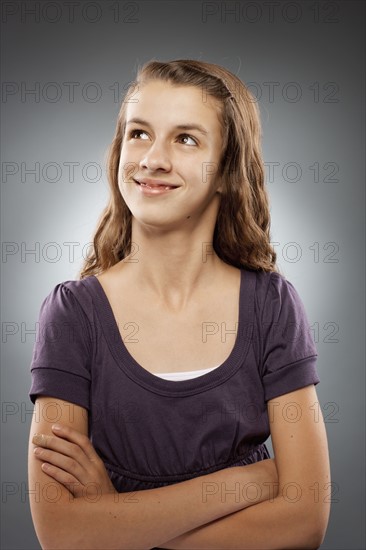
155,158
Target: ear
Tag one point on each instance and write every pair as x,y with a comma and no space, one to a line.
219,189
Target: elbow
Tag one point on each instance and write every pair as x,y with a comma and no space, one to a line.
45,538
313,541
318,536
63,537
321,524
309,539
55,529
316,528
307,526
51,541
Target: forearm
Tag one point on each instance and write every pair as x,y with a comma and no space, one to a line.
297,518
275,524
146,519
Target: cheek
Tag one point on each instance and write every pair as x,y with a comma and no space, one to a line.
127,169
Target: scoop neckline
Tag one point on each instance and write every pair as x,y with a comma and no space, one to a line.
150,381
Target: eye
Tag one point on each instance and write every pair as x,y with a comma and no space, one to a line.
189,137
133,132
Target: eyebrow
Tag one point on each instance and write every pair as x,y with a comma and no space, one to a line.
189,126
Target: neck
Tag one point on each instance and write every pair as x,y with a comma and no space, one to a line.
174,266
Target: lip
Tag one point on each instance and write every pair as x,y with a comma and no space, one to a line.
146,190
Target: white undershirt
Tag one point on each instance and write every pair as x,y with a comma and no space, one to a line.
183,375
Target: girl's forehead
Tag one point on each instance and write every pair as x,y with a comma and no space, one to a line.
161,86
160,97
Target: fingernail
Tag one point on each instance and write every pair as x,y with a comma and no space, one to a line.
56,427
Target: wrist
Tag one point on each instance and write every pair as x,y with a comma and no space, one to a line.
256,482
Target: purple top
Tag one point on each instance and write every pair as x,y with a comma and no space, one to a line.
152,432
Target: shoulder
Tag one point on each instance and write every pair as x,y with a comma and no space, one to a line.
74,288
268,284
267,279
272,289
68,300
67,287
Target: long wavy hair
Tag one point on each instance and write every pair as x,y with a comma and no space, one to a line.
242,230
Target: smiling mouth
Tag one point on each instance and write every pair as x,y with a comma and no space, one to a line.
159,186
156,186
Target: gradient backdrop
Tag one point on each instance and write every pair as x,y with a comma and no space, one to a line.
64,72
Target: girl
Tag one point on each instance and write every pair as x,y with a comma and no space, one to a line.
181,348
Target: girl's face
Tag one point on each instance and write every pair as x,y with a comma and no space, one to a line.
172,138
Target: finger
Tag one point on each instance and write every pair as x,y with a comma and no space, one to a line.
63,447
69,465
66,479
78,438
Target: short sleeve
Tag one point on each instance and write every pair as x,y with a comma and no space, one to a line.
289,353
60,365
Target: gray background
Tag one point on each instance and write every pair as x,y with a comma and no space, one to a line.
304,61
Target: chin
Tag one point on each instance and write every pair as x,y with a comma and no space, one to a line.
156,221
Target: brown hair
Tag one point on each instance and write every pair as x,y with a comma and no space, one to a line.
242,231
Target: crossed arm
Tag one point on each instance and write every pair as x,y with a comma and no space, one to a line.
292,513
298,516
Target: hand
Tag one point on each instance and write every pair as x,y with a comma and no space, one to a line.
70,458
